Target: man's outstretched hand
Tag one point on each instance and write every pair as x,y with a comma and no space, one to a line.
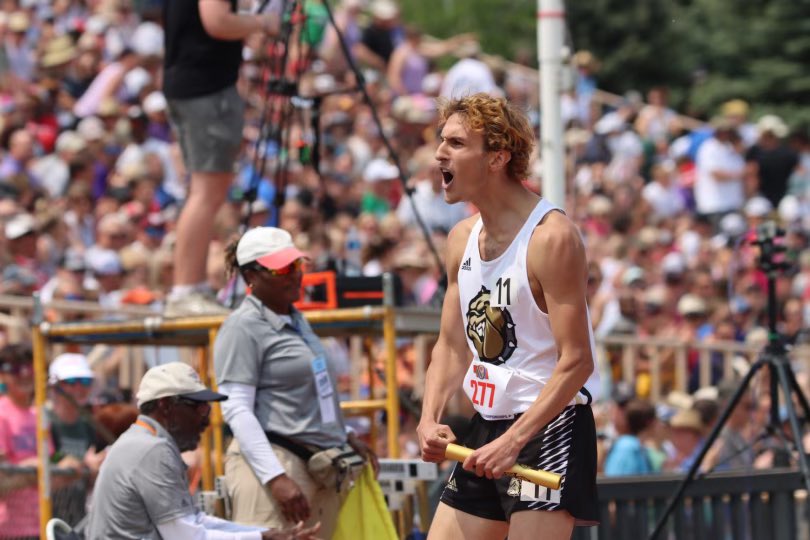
293,533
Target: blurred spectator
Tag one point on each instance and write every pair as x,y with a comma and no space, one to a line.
734,448
719,182
773,161
686,434
18,440
73,431
628,456
383,34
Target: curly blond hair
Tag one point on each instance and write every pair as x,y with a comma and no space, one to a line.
503,126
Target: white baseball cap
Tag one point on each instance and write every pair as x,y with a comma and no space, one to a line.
69,366
175,379
154,102
19,226
271,247
380,169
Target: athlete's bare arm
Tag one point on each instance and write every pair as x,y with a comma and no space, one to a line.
450,357
557,271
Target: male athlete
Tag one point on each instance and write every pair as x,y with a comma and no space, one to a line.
515,306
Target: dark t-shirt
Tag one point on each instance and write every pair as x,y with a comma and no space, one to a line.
196,64
775,167
380,41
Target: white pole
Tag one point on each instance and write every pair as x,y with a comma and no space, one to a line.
550,24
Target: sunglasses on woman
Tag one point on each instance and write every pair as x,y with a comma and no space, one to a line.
294,266
83,381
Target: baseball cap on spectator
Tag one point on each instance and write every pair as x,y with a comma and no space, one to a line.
147,40
647,237
789,209
18,22
610,123
710,393
687,419
69,141
271,247
655,296
770,123
599,205
108,107
633,275
19,226
69,366
380,169
58,51
91,129
431,84
757,207
735,107
73,261
733,225
155,102
690,305
136,80
175,379
384,9
96,25
673,264
104,262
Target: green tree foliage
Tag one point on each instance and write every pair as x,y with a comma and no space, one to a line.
705,51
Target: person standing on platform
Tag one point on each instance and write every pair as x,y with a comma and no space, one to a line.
203,41
515,333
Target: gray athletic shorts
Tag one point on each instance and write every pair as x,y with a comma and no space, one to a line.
209,130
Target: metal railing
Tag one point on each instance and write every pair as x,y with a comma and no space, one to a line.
742,505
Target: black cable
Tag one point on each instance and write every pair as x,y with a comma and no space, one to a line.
361,86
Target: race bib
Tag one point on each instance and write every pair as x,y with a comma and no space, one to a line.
485,385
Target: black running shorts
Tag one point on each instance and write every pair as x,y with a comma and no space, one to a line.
567,446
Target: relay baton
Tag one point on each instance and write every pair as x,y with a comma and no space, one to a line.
535,476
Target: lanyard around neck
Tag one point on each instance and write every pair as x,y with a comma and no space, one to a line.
149,428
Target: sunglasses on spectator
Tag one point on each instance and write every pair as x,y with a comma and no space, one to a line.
83,381
193,404
294,266
18,370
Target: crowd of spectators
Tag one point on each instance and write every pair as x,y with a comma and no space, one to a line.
91,183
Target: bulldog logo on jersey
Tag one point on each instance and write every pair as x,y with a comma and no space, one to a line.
491,329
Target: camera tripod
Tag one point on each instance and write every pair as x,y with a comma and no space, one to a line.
782,378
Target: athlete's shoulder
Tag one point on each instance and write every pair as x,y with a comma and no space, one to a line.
556,227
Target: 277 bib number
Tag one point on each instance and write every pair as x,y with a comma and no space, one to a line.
485,385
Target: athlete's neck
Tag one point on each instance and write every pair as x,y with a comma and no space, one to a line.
505,211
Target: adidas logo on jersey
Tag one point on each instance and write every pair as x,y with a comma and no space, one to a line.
451,485
466,265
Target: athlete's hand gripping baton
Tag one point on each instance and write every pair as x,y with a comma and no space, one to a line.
535,476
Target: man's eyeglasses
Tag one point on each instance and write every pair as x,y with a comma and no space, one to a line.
294,266
87,382
193,404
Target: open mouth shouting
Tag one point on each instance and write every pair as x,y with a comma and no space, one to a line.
447,177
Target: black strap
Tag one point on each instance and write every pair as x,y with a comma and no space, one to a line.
584,392
299,450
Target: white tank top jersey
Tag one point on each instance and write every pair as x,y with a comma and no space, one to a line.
514,352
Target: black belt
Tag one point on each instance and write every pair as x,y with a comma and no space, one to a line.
298,449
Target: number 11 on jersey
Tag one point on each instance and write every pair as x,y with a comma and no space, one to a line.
502,296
